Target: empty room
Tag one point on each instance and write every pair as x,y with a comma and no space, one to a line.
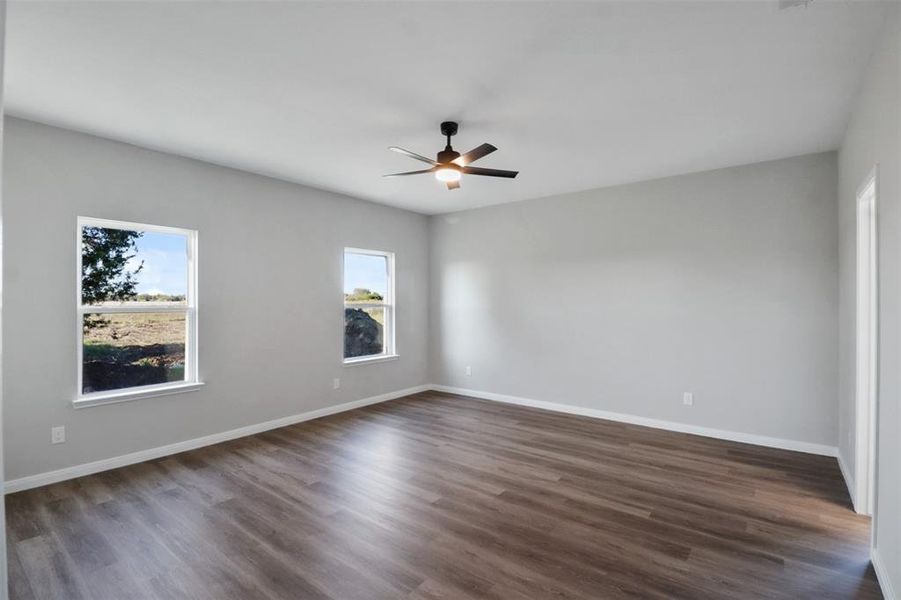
437,300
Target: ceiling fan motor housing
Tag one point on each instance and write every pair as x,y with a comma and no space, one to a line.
447,155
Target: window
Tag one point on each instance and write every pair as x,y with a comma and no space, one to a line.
137,310
368,305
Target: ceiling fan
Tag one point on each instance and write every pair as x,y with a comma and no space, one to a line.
451,165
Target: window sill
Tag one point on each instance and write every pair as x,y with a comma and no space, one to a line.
369,360
138,394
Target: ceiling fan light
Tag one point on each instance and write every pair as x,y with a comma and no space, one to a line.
447,174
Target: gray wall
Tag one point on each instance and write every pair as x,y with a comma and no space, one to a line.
270,294
3,586
873,138
721,283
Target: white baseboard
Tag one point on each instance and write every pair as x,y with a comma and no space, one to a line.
41,479
888,589
734,436
849,481
33,481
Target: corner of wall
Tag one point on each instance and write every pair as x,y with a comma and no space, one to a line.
433,333
847,475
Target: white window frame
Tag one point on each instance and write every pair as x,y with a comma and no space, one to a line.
389,349
192,381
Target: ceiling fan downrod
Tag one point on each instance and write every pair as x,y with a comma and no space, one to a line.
448,129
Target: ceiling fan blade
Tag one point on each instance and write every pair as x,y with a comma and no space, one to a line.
413,155
409,173
453,185
489,172
474,155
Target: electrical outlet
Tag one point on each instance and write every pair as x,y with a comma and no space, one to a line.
468,371
336,383
688,399
57,435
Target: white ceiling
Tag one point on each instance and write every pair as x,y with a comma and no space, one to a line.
574,95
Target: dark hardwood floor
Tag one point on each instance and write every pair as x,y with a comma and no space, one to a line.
439,496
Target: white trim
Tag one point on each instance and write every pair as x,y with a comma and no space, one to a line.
366,305
866,348
41,479
888,588
136,393
367,360
130,226
734,436
367,251
849,480
137,307
871,178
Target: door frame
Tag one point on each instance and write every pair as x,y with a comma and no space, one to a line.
866,347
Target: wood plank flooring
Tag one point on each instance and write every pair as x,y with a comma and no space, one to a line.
436,496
